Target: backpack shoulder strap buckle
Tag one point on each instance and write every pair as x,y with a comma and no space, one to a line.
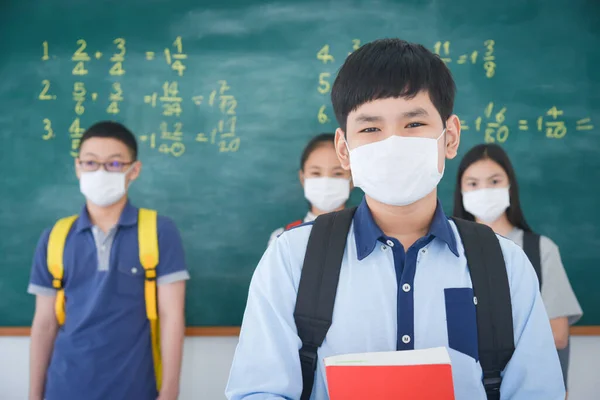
492,380
308,356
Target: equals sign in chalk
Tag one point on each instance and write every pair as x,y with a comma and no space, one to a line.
149,55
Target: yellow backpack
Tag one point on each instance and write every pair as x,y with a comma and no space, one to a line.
148,244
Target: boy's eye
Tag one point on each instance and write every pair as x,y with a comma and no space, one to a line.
414,125
369,130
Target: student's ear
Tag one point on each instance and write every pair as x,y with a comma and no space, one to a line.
301,177
452,136
341,149
133,174
77,171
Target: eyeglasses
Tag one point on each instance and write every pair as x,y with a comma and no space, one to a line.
109,166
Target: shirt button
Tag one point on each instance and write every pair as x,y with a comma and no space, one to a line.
134,270
390,243
424,250
384,247
406,287
406,339
474,300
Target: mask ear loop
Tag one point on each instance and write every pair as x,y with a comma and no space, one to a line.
442,134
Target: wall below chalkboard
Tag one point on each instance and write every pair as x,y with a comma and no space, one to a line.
235,331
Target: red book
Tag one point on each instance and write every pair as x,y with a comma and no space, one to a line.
396,375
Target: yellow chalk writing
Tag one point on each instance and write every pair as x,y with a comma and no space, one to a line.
495,131
79,93
554,129
489,59
324,85
48,128
175,60
45,56
232,146
176,134
118,58
324,55
76,132
44,95
438,47
81,57
523,125
321,116
116,96
80,54
171,99
584,124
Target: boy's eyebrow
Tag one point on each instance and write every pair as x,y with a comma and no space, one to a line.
115,155
417,112
414,113
361,118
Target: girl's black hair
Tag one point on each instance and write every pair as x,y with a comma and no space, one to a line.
498,155
314,144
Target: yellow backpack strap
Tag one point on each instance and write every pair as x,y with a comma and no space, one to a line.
148,244
54,259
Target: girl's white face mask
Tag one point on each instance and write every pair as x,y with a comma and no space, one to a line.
397,171
325,193
487,205
103,188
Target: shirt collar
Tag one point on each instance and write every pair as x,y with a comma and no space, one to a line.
129,217
310,217
367,233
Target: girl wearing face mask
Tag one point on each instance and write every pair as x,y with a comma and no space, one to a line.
326,184
487,192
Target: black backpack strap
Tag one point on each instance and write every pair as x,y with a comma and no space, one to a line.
531,246
494,309
318,287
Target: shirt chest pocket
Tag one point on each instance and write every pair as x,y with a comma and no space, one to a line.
461,321
130,278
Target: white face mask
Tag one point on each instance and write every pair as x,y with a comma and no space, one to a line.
397,171
327,194
487,205
103,188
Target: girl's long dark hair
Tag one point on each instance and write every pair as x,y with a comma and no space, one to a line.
498,155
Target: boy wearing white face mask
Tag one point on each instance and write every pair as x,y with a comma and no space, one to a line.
110,287
326,184
487,191
402,282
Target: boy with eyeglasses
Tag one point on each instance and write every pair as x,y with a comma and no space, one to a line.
109,286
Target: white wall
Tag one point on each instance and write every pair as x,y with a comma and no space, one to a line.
207,359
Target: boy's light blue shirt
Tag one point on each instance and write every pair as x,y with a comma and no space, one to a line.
389,299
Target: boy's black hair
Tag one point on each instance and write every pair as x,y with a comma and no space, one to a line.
114,130
315,143
389,68
498,155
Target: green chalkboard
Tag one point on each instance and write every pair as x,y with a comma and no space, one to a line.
223,95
